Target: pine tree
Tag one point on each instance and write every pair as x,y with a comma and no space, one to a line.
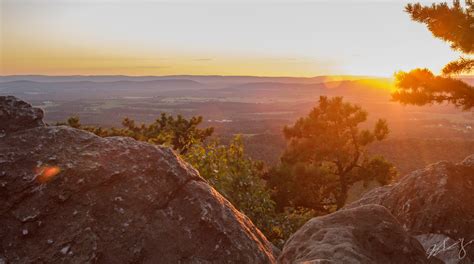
455,25
326,156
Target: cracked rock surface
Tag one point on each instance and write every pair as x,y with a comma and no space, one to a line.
366,234
436,205
68,196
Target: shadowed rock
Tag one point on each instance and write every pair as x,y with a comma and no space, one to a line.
366,234
16,114
68,196
435,204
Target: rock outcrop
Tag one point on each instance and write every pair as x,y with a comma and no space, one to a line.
68,196
436,205
366,234
17,115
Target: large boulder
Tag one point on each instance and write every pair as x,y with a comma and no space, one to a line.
366,234
436,205
68,196
16,115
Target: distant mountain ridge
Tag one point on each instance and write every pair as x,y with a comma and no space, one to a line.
204,79
111,84
46,88
208,79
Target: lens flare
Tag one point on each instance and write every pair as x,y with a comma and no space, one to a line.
47,173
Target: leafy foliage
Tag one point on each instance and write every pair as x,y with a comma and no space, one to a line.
326,156
240,180
462,65
179,133
420,87
452,24
455,25
286,223
236,176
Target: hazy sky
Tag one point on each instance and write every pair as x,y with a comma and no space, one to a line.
150,37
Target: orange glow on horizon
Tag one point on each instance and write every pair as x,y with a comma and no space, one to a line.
142,37
380,84
25,60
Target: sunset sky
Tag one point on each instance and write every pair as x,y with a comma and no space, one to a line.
265,38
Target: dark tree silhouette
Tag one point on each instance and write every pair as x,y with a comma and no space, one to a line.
421,86
449,23
462,65
455,25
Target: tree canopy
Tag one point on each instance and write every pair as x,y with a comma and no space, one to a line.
452,24
177,132
326,156
421,86
455,25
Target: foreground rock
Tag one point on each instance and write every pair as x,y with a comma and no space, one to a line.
366,234
435,204
68,196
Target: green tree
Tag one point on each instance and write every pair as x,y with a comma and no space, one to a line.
179,133
326,156
455,25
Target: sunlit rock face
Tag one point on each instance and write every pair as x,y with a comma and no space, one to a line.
68,196
435,204
366,234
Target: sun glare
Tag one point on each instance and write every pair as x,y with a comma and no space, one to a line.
380,84
46,173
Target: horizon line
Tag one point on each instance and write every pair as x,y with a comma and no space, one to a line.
195,75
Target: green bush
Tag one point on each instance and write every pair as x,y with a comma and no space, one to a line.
236,177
